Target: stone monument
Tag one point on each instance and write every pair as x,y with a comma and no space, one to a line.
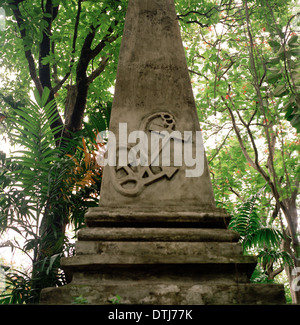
157,236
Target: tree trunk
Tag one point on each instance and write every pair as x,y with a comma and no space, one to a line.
292,246
293,274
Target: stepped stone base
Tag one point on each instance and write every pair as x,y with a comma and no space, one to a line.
161,258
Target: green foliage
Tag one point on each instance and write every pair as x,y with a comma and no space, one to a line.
31,168
49,184
259,276
244,72
17,289
257,237
80,300
269,256
30,179
249,225
116,300
242,67
36,184
283,73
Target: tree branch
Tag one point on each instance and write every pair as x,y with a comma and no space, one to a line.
230,65
107,39
222,144
45,48
240,140
198,74
28,54
250,135
98,71
82,80
207,14
59,83
236,193
272,273
76,29
198,23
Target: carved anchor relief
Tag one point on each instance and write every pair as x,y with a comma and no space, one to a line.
132,180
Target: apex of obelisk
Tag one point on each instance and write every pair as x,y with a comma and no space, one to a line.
153,97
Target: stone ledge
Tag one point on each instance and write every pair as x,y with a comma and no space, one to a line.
189,217
166,273
93,262
158,234
140,251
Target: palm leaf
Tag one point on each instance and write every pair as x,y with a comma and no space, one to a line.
263,237
38,152
268,256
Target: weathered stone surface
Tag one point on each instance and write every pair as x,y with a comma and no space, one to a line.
136,293
95,261
158,252
152,82
157,234
157,217
174,271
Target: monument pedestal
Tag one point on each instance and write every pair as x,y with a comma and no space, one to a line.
161,258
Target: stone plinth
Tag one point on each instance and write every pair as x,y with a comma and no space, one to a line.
193,262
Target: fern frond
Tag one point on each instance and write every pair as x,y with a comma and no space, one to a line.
246,219
253,234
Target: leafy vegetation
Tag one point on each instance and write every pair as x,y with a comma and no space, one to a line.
243,57
243,60
260,236
38,183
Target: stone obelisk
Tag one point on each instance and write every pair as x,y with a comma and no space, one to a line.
157,236
153,91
